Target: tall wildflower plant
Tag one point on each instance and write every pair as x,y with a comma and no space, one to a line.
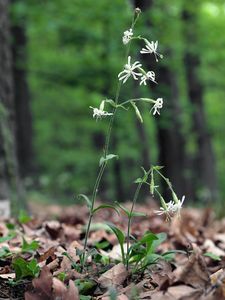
131,70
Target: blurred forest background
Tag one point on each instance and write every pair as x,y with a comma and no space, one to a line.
59,57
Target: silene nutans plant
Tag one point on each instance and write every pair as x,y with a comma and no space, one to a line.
136,255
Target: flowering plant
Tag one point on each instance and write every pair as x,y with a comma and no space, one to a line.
132,70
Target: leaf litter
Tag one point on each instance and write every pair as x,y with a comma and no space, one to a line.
40,256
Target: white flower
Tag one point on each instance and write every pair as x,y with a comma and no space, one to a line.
127,35
148,76
178,206
157,106
169,209
129,70
151,47
99,112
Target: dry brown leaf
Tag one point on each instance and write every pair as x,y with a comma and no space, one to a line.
119,297
180,292
72,292
161,274
49,253
42,286
59,289
114,276
194,272
54,229
71,233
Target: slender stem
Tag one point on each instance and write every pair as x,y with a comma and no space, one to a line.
105,153
136,194
166,179
129,221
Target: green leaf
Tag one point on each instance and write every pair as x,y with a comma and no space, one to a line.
161,237
137,214
85,286
138,114
120,237
61,276
82,297
10,226
119,234
152,258
24,217
124,209
102,245
106,206
111,102
10,236
148,239
138,180
26,247
24,269
108,157
212,256
88,201
157,167
5,252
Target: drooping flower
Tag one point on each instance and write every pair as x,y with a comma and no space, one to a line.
129,70
157,106
178,206
99,113
151,47
148,76
167,209
127,35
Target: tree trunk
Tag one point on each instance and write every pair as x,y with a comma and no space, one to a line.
204,162
9,177
22,101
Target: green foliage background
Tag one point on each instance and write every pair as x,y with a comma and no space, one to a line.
74,56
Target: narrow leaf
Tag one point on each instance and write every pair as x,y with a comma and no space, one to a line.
106,206
212,256
137,214
108,157
88,201
124,209
138,114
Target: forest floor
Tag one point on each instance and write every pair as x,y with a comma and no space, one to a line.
47,246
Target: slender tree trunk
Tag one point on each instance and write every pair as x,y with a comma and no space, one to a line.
22,101
9,177
204,161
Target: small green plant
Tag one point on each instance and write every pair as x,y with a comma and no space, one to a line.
135,71
29,247
24,217
5,252
25,269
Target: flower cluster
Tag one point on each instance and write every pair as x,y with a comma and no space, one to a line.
127,36
171,208
135,70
